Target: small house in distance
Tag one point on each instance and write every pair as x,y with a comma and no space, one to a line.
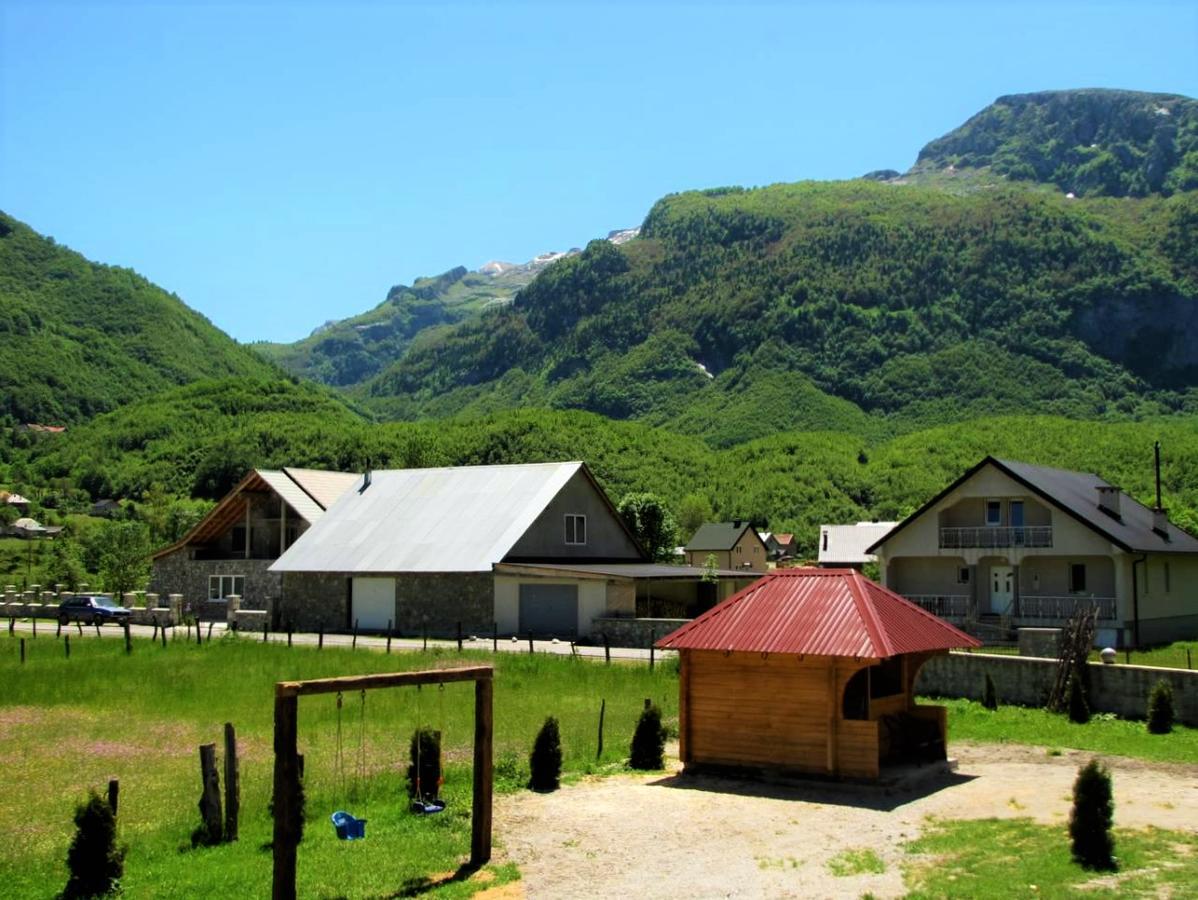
846,546
735,545
780,545
810,671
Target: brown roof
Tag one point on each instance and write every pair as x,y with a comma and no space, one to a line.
821,612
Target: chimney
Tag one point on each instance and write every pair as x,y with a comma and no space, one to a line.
1160,522
365,479
736,523
1108,500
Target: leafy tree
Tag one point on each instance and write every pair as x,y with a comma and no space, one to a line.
545,762
693,511
1091,817
124,550
95,861
649,520
63,563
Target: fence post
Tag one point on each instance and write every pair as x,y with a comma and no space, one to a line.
288,634
320,638
96,623
459,637
210,624
128,638
388,637
12,622
265,629
22,651
58,630
210,816
494,637
33,619
162,634
354,645
530,642
426,637
606,649
114,795
602,710
66,644
232,784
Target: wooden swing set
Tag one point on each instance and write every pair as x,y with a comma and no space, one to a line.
288,828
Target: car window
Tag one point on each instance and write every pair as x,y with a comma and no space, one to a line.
104,602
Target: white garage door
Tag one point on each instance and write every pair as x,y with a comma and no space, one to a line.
373,603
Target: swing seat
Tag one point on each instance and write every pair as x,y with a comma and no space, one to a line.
427,807
348,827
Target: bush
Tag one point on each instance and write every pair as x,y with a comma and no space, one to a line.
1079,707
1091,816
424,773
648,741
1160,708
95,861
989,694
545,763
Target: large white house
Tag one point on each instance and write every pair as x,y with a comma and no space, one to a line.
1018,544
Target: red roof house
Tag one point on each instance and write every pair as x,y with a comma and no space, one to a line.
811,671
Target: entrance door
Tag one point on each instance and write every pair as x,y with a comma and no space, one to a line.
549,609
373,603
1002,588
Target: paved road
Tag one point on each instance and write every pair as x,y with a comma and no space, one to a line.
48,629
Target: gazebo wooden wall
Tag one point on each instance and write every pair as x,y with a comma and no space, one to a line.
786,712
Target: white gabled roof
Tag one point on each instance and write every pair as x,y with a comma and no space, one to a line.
850,543
454,519
321,485
305,507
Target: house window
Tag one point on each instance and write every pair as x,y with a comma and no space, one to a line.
993,512
237,539
1077,578
963,575
221,587
576,529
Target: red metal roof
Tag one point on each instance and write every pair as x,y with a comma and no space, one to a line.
821,612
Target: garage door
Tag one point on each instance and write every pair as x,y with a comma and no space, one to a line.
549,609
373,603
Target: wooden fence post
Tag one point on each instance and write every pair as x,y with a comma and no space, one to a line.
162,636
66,644
388,637
480,819
530,642
95,622
426,638
320,638
606,649
602,710
128,638
494,637
154,636
232,784
459,637
58,630
288,634
22,651
114,795
12,623
354,645
210,816
33,619
79,626
265,629
286,796
210,624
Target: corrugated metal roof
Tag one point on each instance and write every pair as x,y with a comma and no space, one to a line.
303,504
453,519
322,486
849,544
820,612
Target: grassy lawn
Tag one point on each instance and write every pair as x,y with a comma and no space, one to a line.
67,725
968,720
984,858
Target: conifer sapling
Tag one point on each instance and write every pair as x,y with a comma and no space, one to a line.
1091,816
648,741
545,762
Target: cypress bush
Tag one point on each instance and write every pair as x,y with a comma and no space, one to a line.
648,741
1091,816
1160,707
989,694
545,762
95,861
424,772
1079,707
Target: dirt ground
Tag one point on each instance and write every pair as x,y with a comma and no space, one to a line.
705,836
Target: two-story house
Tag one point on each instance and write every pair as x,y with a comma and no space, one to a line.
1018,544
734,545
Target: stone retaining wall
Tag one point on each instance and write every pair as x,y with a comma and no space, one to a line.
1026,681
629,632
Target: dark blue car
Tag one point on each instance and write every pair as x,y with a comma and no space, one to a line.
92,609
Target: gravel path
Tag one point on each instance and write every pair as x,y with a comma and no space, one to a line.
702,836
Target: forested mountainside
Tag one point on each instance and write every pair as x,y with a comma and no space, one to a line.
740,313
78,338
1088,142
200,439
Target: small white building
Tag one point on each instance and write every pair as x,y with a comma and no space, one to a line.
847,546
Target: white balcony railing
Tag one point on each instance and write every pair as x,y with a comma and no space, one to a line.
946,606
987,536
1063,607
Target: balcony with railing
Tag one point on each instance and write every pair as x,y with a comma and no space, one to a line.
946,606
993,536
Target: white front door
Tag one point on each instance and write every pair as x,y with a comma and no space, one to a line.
373,603
1002,588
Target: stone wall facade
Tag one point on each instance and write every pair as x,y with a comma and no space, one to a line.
1026,681
629,632
177,573
310,601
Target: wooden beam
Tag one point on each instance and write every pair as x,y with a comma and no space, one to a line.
684,703
286,797
382,680
480,816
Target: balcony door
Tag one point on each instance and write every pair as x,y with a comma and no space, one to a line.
1002,588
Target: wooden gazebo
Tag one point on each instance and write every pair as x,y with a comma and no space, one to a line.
810,671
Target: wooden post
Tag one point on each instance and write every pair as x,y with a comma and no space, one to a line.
388,637
480,818
426,638
288,634
494,637
22,651
530,642
602,711
128,638
459,637
286,793
652,649
58,630
114,795
265,629
96,623
210,816
66,644
320,638
188,623
79,625
12,623
606,649
210,624
354,645
154,636
162,636
232,784
33,619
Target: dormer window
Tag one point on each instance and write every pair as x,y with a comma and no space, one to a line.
576,529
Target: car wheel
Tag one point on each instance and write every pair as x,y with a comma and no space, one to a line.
98,621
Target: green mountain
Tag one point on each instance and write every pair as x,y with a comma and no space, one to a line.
78,338
849,306
1087,142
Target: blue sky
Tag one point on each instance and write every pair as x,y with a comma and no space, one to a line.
281,164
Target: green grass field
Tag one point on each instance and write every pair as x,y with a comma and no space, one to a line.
67,725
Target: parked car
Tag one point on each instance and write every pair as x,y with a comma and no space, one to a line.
92,609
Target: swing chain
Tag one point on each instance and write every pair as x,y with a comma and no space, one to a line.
340,752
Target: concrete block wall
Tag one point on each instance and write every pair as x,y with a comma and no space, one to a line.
1026,681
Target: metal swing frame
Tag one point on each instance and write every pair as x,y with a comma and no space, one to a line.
286,777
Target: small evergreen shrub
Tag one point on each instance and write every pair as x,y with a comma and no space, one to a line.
1160,708
648,741
1091,816
424,773
95,861
545,762
1079,707
989,694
